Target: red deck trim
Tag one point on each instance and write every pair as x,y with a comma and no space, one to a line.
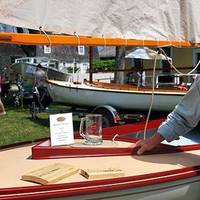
48,152
96,186
43,151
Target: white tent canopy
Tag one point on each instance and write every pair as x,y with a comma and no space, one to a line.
131,19
146,54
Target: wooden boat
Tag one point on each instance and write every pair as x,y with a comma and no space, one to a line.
167,172
117,95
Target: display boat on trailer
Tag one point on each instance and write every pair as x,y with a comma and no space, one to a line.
119,96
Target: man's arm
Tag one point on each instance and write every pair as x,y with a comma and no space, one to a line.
148,144
185,116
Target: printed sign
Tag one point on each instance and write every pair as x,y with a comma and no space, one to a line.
81,50
47,49
61,129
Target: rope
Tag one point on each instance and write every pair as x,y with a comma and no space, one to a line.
153,83
77,38
114,137
179,72
152,96
104,39
50,45
126,42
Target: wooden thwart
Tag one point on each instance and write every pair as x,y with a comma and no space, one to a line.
50,174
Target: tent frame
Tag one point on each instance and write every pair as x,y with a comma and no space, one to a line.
56,40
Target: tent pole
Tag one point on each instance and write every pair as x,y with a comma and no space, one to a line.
90,64
41,39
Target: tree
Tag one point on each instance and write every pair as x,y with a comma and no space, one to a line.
104,64
120,64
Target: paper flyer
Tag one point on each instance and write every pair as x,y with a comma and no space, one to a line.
61,129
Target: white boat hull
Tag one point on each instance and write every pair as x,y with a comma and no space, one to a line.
179,190
84,95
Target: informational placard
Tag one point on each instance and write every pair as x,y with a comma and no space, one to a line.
81,50
61,129
47,49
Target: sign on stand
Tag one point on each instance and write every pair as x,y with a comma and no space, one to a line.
61,129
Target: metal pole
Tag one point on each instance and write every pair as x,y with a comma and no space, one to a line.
90,64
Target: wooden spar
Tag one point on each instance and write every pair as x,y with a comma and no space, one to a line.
56,40
133,69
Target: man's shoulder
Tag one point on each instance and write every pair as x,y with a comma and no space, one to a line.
197,78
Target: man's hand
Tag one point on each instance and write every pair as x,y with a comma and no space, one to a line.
148,144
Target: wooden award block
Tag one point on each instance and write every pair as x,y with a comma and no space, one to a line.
102,173
50,174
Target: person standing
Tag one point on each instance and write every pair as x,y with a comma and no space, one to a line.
44,98
141,77
2,109
137,77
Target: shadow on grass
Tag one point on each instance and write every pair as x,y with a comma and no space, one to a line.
40,121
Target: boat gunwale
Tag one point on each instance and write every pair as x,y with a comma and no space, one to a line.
94,186
142,91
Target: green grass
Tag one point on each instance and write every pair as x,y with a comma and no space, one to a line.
18,126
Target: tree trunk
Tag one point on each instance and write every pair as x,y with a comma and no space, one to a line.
120,64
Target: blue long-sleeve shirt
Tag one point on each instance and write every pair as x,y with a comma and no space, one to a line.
185,116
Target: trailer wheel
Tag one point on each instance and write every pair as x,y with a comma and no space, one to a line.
107,117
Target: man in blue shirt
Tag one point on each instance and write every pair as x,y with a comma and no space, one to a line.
181,120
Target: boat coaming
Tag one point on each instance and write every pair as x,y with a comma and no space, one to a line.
91,96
